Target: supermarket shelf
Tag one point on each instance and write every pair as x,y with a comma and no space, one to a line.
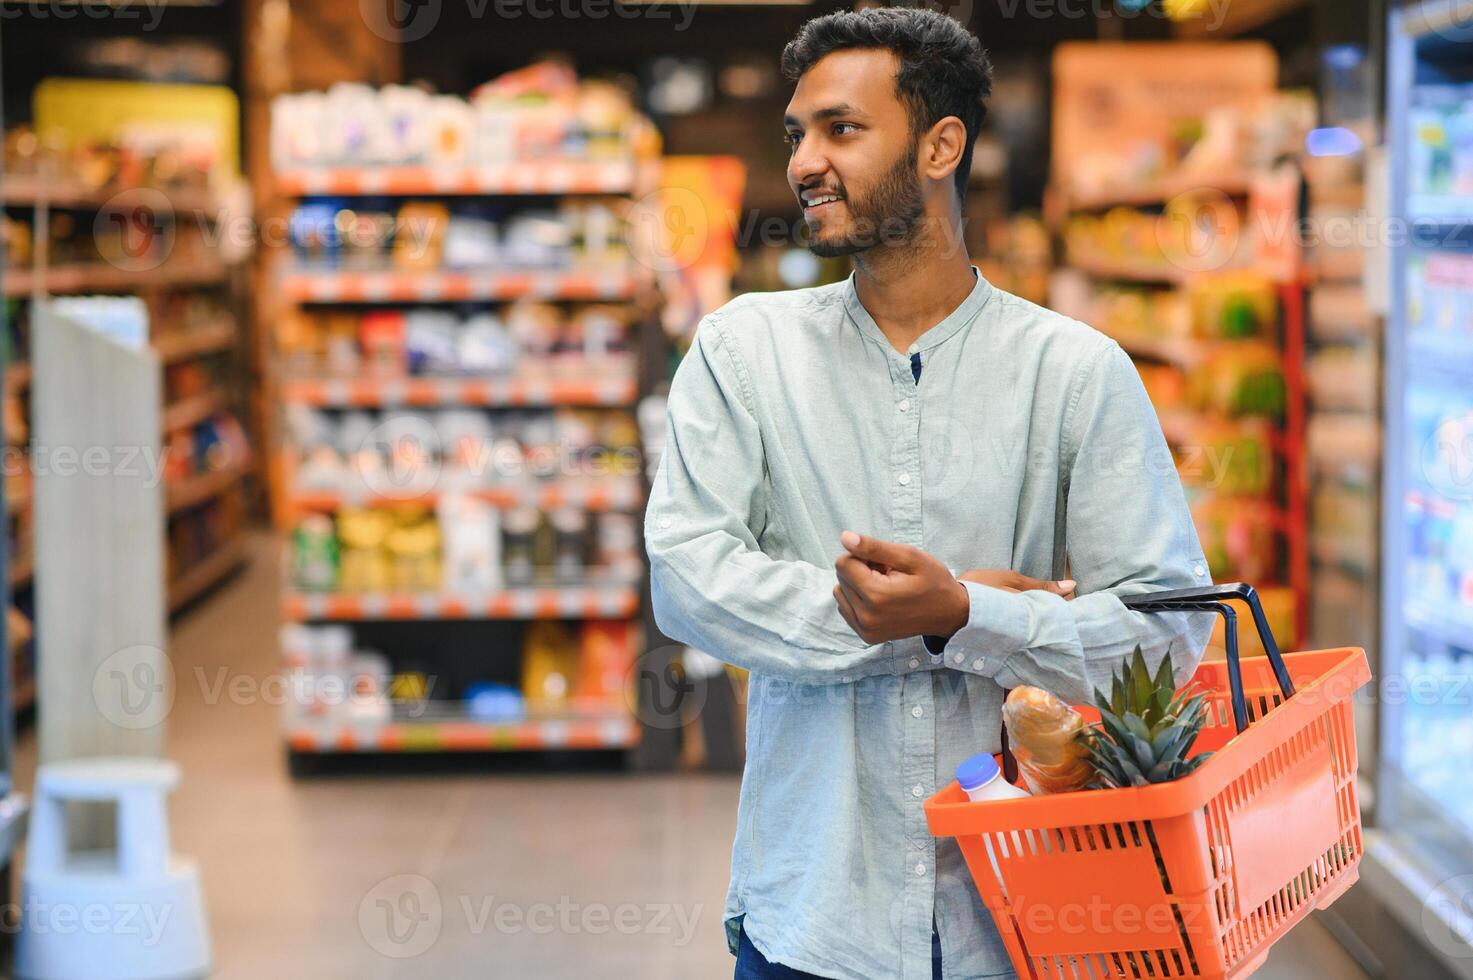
1440,355
1158,191
17,498
1440,209
605,601
24,695
1357,561
203,574
1103,268
434,286
613,387
181,345
196,489
1180,351
22,570
1438,625
191,411
609,494
63,192
465,734
516,177
88,277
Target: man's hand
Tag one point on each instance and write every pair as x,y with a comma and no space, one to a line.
1008,581
889,591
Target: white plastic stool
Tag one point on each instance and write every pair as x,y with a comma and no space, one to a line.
134,913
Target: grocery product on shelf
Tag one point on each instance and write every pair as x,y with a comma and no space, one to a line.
543,112
403,549
471,531
375,235
550,654
401,454
389,342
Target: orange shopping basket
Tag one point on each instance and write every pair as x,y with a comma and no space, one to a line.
1196,877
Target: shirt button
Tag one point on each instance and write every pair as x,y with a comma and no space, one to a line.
914,662
904,405
979,663
665,522
917,791
904,479
957,658
916,712
1198,570
920,869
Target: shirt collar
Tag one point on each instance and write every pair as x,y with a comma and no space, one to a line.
958,318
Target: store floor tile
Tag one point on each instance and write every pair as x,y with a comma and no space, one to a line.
447,875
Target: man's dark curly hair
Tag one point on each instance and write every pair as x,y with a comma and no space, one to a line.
943,69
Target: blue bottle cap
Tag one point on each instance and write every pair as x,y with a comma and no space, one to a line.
977,771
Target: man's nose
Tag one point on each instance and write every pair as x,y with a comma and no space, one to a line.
806,163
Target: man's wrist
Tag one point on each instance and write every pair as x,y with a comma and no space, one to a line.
958,611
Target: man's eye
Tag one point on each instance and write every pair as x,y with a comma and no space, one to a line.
792,139
839,128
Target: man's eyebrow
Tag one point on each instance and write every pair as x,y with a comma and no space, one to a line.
829,112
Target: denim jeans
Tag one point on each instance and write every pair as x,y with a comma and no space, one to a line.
751,965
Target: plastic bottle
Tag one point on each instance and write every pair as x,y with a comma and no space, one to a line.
981,780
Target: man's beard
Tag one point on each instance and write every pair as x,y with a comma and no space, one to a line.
887,215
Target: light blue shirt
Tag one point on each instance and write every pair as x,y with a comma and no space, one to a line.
1028,443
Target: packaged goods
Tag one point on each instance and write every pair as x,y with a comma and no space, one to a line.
1043,733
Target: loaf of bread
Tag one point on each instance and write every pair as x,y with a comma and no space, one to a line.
1043,734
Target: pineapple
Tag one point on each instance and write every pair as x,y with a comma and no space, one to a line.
1145,729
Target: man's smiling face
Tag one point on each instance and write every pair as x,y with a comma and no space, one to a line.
853,163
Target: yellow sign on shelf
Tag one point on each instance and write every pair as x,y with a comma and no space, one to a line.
206,117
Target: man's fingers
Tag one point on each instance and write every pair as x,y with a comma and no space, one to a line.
856,573
858,601
1002,578
891,553
846,609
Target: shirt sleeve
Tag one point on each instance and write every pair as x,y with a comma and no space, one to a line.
1127,531
711,585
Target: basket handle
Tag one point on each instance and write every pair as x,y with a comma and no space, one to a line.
1213,598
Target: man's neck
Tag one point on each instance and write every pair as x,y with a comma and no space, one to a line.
908,291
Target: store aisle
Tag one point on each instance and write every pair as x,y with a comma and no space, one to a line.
580,876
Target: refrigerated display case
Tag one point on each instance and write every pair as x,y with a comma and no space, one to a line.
1420,852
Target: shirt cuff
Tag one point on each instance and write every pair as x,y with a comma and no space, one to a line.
997,627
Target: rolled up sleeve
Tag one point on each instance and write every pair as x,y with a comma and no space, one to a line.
711,585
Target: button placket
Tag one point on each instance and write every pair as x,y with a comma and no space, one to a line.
915,692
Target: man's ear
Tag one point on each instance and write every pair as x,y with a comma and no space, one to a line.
941,148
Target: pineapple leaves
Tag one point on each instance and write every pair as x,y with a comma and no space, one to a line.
1146,727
